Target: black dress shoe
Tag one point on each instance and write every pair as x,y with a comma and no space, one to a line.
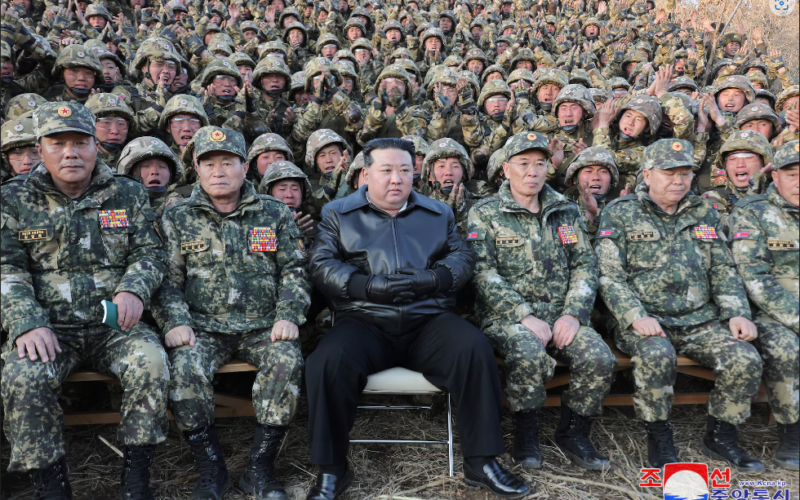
495,479
329,487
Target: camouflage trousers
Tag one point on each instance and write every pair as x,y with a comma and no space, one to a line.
34,419
529,365
275,391
735,363
779,348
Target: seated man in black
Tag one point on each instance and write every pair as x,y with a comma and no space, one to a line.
390,263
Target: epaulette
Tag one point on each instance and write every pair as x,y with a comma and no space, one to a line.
484,201
627,197
750,199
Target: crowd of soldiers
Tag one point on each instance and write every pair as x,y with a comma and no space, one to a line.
657,157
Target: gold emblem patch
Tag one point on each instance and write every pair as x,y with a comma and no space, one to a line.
64,112
780,244
642,236
531,136
34,234
677,146
193,246
217,136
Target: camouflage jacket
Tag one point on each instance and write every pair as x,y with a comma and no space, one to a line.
764,242
496,133
329,115
464,129
526,265
221,114
280,106
232,274
62,257
461,212
573,193
557,177
396,125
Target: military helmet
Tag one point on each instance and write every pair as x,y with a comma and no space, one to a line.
17,133
289,11
174,5
242,59
521,74
274,47
23,104
505,25
495,165
298,81
410,67
144,148
476,54
766,94
268,142
104,104
756,63
644,47
182,104
355,22
321,138
453,61
97,9
401,53
295,26
356,166
271,66
420,145
249,26
666,154
69,116
737,82
591,21
647,106
423,28
579,95
78,56
327,39
787,155
345,55
525,141
361,11
494,88
433,32
591,157
785,95
221,67
758,111
395,71
758,77
104,54
505,39
581,77
155,49
446,148
209,139
599,96
347,69
284,170
450,15
524,54
550,76
220,49
683,82
721,63
395,25
494,68
688,103
745,140
315,66
445,76
361,43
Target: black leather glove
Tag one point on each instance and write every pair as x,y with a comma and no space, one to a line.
428,281
390,289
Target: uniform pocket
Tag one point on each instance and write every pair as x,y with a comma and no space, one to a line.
42,246
116,242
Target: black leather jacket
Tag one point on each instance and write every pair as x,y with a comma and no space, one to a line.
358,237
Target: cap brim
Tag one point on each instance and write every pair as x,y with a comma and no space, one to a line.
547,152
66,129
669,166
200,151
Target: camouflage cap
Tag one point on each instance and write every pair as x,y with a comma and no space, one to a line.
355,167
269,142
580,76
410,67
56,117
16,134
590,157
321,138
472,79
446,148
525,141
347,69
665,154
210,138
144,148
746,140
182,104
155,49
104,104
787,155
289,11
355,22
524,54
22,104
282,170
5,50
758,111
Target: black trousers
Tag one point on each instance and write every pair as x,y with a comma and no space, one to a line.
452,354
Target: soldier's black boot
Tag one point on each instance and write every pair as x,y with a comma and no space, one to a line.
787,455
214,479
720,442
51,483
526,440
258,478
572,436
660,447
134,484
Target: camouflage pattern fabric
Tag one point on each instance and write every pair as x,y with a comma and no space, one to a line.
779,347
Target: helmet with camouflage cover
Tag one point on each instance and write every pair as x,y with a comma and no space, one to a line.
494,88
298,82
220,49
355,22
591,21
354,169
579,95
395,25
666,154
472,79
315,66
688,103
521,75
145,148
453,61
326,39
450,15
268,142
581,77
284,170
550,76
589,157
476,54
494,68
401,53
433,32
361,43
525,141
271,66
248,26
599,96
447,76
495,165
683,82
550,19
410,67
103,54
420,145
321,138
766,94
345,55
738,82
221,38
785,95
295,26
423,28
757,77
619,83
506,25
17,133
640,69
97,9
155,49
745,140
347,69
634,56
104,104
731,36
221,67
524,54
242,59
182,104
446,148
23,104
758,111
787,155
274,47
395,71
505,39
174,5
77,56
69,116
209,139
478,21
647,106
289,11
755,63
361,11
644,47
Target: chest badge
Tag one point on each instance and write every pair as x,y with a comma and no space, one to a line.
705,232
110,219
34,234
780,244
263,239
567,235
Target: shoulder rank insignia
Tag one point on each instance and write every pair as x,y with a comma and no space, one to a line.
704,232
34,234
110,219
642,236
780,244
567,235
193,246
263,239
741,235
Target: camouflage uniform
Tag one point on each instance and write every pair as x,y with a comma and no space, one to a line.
232,303
404,120
273,66
37,81
104,105
59,283
73,56
457,120
592,156
542,266
144,148
580,95
764,243
448,148
678,270
324,186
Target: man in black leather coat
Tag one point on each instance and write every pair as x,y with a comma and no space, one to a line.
390,263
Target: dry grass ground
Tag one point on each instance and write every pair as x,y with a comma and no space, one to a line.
409,471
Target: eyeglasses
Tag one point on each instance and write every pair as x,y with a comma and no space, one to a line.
448,87
330,46
179,122
109,123
390,80
497,99
224,79
169,66
525,166
361,51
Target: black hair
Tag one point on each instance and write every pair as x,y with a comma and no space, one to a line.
378,144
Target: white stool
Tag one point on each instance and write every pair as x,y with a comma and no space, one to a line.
401,381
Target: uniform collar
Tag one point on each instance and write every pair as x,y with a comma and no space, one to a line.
549,199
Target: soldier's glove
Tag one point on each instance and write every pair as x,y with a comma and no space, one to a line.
521,93
427,281
320,96
396,100
381,288
465,99
353,115
377,104
330,86
776,63
443,103
8,32
250,102
188,22
740,60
